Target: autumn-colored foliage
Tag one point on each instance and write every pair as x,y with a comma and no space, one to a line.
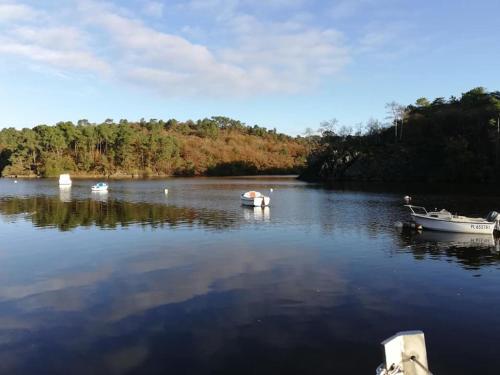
216,146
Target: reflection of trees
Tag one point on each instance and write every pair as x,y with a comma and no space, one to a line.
470,251
46,211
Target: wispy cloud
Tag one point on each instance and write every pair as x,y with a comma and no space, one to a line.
57,46
238,51
261,57
13,12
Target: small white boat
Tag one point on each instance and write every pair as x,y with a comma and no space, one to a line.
64,180
100,186
255,199
446,222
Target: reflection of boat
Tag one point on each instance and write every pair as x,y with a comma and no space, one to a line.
254,198
457,239
64,180
100,187
65,193
446,222
257,213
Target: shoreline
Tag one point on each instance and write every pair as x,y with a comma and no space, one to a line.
155,177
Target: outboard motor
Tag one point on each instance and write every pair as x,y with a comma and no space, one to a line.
493,216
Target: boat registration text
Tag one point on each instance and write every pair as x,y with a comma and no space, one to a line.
479,226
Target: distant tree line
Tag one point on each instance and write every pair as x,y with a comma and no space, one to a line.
444,140
217,145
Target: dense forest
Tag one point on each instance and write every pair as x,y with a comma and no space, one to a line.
215,146
444,140
453,140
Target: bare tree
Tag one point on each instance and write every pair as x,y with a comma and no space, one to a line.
401,116
328,126
309,132
373,126
395,113
359,128
344,131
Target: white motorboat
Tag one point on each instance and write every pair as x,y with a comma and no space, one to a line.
445,221
100,187
64,180
255,199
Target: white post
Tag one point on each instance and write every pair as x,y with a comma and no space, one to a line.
405,353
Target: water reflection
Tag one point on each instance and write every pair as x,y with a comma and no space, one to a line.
99,196
65,193
170,302
312,286
257,213
104,212
469,250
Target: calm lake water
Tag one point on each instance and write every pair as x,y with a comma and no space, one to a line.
134,281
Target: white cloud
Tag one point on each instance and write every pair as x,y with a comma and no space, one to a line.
60,37
262,58
57,46
60,58
249,56
14,12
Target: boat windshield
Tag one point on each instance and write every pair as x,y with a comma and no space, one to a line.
417,210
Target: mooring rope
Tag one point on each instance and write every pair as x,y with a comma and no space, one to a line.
414,359
397,369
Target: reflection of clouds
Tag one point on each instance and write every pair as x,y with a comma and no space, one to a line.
117,295
165,277
53,284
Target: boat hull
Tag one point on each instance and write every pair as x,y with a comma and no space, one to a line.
454,226
256,201
99,189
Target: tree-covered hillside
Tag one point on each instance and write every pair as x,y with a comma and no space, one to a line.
215,146
454,140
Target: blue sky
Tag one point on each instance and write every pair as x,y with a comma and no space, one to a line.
285,64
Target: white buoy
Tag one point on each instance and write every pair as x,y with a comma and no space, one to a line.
407,199
65,180
166,191
271,190
15,181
